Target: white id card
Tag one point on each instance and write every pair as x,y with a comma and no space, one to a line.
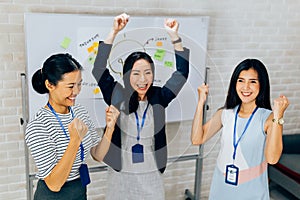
232,174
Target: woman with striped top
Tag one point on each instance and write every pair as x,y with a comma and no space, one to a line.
62,133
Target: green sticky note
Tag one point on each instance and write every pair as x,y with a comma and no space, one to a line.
65,43
159,54
91,60
168,64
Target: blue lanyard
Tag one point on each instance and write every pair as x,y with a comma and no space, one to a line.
63,128
139,128
235,144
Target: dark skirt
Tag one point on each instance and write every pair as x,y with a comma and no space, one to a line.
71,190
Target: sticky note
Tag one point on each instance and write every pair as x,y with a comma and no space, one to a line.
96,90
168,64
159,54
159,43
91,60
90,49
95,44
65,43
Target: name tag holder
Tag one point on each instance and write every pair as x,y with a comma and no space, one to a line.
232,175
138,149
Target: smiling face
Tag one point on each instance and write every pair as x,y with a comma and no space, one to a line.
248,86
141,77
63,94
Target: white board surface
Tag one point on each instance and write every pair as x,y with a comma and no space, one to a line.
78,35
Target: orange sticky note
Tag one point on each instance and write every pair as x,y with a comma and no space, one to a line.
159,43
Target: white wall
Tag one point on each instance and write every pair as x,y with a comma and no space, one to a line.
267,30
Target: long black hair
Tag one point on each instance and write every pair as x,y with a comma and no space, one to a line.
132,99
53,70
263,97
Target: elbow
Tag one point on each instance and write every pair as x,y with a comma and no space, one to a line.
196,142
272,161
98,159
53,188
95,156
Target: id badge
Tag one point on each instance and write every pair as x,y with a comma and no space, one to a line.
84,175
232,174
137,153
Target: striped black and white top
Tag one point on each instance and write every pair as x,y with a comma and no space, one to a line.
47,141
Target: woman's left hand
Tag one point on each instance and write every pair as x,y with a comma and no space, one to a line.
112,114
280,105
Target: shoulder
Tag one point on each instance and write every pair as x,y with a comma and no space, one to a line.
39,127
265,111
41,118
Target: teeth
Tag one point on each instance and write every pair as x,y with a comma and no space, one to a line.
141,86
246,93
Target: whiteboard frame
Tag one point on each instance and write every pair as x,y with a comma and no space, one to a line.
44,33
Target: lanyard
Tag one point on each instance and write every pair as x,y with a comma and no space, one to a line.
139,128
63,128
235,144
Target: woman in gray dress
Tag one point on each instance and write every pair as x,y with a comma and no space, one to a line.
138,154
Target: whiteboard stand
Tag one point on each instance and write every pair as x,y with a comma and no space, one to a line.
24,121
199,159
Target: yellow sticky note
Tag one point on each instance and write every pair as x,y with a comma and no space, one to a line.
96,90
95,44
65,43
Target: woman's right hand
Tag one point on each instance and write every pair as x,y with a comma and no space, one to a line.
120,22
202,93
77,129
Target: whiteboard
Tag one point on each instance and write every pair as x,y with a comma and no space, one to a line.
78,35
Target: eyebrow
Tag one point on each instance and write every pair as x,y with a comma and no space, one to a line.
136,70
73,83
249,79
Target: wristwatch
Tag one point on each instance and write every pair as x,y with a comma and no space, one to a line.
177,41
279,121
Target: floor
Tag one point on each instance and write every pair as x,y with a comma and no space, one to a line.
278,193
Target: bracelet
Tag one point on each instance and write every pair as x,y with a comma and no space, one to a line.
177,41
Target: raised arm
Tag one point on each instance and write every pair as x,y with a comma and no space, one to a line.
119,23
179,77
172,26
110,89
274,130
201,133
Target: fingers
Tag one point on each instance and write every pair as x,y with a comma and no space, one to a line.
282,101
171,23
112,114
203,88
122,19
280,105
79,127
202,93
171,26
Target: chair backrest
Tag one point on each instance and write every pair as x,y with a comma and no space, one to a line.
291,144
